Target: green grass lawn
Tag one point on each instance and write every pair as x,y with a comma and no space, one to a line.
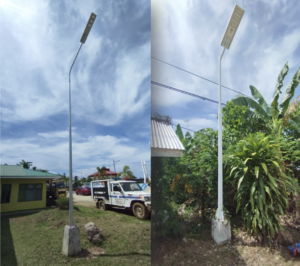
36,239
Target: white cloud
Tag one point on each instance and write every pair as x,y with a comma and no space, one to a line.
88,154
57,134
38,86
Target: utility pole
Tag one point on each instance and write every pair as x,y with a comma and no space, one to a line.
115,164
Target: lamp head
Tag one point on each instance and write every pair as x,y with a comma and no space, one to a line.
232,26
88,28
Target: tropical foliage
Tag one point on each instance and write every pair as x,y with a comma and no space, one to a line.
101,173
275,111
258,172
25,164
261,165
126,172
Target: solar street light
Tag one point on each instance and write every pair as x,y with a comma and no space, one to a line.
71,241
219,234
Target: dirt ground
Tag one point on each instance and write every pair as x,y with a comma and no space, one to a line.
242,250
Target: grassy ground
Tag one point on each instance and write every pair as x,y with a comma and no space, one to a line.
36,239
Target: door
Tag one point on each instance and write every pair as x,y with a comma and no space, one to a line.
117,197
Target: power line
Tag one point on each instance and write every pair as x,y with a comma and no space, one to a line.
185,92
184,128
198,76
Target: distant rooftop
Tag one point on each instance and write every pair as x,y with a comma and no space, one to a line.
107,171
16,171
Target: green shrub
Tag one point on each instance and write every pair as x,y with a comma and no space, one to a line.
257,170
63,203
164,220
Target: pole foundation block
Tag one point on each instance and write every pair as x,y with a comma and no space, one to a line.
71,241
220,231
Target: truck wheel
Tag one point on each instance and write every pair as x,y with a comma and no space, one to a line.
140,211
102,206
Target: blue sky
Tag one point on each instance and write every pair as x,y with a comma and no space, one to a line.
188,34
111,98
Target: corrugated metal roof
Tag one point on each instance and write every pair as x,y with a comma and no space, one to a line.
19,171
164,137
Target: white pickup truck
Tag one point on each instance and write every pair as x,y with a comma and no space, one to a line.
121,194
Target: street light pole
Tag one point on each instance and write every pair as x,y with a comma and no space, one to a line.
220,226
115,164
71,222
71,241
220,213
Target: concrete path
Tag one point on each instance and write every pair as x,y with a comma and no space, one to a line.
82,200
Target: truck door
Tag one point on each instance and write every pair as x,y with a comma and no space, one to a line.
117,197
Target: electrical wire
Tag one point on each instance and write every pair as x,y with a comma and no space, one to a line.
198,76
184,128
185,92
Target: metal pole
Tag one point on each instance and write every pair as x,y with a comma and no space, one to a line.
219,213
115,164
71,222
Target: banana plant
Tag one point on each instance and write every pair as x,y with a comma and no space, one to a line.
185,140
275,111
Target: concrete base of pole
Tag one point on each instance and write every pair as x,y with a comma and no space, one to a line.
71,241
221,231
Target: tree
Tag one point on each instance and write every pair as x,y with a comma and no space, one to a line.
24,164
126,172
41,170
101,174
89,179
65,178
238,123
275,111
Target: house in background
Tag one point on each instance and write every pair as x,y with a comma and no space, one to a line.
108,174
23,189
164,141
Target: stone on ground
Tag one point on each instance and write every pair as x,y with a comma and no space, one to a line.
93,233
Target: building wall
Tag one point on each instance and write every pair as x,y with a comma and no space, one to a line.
14,205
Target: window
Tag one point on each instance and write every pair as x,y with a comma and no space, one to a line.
30,192
5,194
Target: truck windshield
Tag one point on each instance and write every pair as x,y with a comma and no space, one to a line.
61,184
131,186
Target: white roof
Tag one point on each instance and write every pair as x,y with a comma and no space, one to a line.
164,141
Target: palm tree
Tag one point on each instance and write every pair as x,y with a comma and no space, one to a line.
101,173
24,164
65,178
126,172
275,112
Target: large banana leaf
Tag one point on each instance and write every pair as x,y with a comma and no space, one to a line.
279,84
179,132
292,108
257,96
246,101
289,93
